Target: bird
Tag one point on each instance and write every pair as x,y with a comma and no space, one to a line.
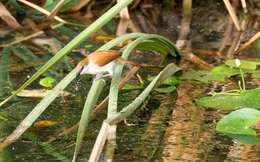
102,63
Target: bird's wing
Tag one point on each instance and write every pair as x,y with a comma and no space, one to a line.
102,58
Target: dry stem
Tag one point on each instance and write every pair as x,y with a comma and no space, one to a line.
248,43
56,9
42,10
232,14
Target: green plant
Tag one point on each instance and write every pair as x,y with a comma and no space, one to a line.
239,123
242,125
47,82
238,65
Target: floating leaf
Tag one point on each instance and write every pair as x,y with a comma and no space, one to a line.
167,86
238,125
224,70
38,93
47,82
245,64
219,73
231,101
170,81
168,89
195,75
44,123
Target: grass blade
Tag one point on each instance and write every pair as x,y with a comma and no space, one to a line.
91,101
119,40
168,71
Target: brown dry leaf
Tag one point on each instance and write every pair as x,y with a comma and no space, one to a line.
4,32
124,21
122,27
47,41
56,9
8,18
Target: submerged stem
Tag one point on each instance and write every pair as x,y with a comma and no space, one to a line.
243,79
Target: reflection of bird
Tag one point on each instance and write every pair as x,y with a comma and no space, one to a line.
101,64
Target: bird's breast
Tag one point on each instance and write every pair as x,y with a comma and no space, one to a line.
92,68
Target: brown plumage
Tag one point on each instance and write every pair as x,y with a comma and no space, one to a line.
100,58
101,63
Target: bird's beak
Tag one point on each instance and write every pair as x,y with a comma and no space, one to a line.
79,72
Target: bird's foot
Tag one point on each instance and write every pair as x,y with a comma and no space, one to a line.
128,124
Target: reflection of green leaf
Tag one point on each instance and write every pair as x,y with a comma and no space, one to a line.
246,139
218,73
238,125
256,74
5,155
168,89
257,45
229,101
50,4
4,74
66,31
25,54
47,82
170,81
195,75
239,121
245,64
129,87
